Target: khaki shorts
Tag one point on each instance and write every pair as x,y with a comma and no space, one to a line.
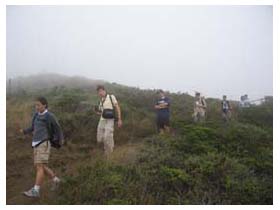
42,153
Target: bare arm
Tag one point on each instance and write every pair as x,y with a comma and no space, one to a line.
161,106
119,115
157,106
164,105
118,111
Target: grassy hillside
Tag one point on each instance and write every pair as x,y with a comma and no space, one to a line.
209,163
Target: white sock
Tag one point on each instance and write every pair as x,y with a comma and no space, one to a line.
37,187
56,179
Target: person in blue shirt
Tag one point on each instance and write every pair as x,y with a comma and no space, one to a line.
163,114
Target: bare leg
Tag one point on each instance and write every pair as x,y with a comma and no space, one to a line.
49,172
167,129
39,174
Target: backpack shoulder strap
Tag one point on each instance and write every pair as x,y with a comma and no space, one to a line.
201,101
111,101
101,102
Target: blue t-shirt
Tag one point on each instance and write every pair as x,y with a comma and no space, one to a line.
164,111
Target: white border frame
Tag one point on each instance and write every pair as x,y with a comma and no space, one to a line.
276,76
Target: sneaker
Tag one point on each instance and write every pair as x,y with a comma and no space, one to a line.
32,193
55,184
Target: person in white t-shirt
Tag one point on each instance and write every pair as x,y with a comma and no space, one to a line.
199,110
109,111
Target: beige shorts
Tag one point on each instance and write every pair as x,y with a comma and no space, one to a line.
42,153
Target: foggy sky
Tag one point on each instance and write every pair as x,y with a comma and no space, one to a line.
213,49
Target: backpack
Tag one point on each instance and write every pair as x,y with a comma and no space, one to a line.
55,132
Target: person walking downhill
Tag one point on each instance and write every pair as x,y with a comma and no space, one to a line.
109,111
226,109
163,114
46,133
199,108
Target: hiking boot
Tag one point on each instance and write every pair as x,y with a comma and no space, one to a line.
32,193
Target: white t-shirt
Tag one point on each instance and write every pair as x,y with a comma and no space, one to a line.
107,104
225,104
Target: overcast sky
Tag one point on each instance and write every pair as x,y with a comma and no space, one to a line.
213,49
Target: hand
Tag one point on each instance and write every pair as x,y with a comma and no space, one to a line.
119,123
97,112
21,131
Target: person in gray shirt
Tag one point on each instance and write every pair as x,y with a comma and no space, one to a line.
41,144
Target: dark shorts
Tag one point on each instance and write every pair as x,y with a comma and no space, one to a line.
162,121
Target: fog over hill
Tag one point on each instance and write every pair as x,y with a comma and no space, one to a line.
50,80
215,50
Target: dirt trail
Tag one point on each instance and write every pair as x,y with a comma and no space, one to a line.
20,172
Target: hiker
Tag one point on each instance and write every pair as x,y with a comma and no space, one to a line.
241,102
109,111
199,108
46,133
226,109
162,107
244,101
